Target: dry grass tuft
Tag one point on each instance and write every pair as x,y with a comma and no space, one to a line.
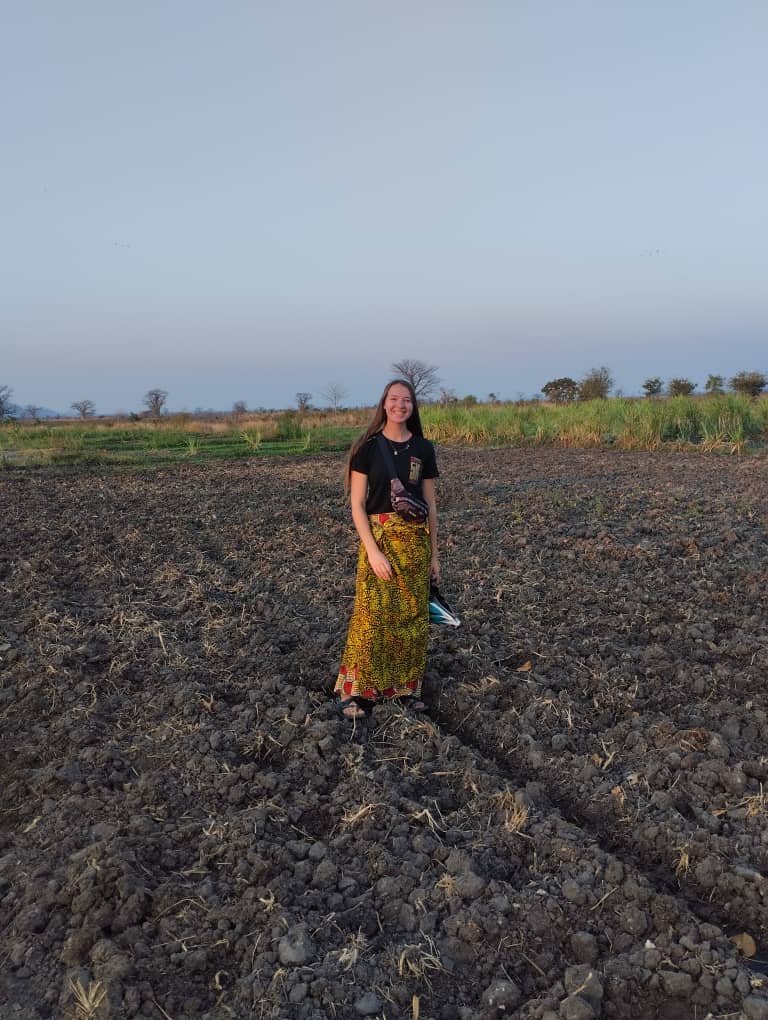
404,724
419,961
429,819
87,1000
353,817
268,902
514,814
756,804
683,861
353,951
516,818
448,885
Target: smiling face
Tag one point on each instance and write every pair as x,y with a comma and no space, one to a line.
398,405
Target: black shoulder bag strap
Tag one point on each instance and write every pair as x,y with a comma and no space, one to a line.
386,452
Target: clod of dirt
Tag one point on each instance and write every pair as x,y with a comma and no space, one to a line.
502,995
584,946
584,981
296,948
576,1008
368,1004
755,1008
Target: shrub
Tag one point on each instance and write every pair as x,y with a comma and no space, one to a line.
749,384
561,391
680,387
652,387
596,384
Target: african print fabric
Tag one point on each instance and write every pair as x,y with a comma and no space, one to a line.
386,649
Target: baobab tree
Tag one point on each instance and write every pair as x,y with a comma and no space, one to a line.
154,401
85,408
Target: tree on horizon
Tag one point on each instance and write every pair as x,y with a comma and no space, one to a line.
653,386
85,408
561,391
6,392
334,393
596,384
419,374
154,401
749,384
680,387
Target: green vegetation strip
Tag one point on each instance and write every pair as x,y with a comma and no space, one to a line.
728,423
96,443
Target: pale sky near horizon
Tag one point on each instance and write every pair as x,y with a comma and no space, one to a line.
242,200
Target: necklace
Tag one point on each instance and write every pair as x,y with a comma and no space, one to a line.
403,449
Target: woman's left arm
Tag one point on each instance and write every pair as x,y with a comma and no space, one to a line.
428,491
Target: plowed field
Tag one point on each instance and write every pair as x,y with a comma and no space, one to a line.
578,830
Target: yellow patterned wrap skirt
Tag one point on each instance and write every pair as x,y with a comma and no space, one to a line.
386,649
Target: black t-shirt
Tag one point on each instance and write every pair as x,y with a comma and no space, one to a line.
414,461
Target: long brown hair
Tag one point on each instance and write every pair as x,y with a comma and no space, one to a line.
379,420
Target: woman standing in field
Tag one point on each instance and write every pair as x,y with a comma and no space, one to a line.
386,647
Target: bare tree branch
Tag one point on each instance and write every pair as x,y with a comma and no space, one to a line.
85,408
419,374
334,393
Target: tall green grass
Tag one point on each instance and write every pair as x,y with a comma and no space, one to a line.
727,422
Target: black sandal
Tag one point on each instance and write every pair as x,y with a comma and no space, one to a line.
344,704
412,704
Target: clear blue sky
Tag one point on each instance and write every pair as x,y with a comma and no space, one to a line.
240,200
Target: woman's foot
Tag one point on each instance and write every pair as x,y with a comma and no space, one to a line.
412,703
350,709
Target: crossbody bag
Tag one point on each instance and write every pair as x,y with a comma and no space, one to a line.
404,503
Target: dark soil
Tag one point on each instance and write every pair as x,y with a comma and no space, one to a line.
578,830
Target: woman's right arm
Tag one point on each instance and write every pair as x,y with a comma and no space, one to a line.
358,490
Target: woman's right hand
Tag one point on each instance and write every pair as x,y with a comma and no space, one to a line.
380,565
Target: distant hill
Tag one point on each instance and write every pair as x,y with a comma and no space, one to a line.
18,411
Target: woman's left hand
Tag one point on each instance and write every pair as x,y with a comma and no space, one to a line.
434,570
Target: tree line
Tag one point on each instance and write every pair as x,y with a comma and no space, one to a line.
154,401
595,385
598,382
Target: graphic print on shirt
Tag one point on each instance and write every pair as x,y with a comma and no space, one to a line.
415,473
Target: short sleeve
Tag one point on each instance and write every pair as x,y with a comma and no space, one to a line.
362,460
429,466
